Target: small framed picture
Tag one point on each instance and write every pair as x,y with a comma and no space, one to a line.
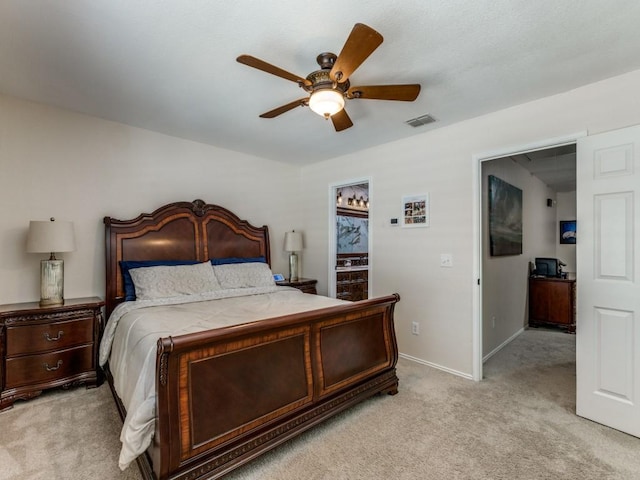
415,210
277,277
568,231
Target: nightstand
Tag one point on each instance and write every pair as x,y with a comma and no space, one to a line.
47,347
306,285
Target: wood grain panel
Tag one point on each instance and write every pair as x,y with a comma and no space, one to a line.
234,389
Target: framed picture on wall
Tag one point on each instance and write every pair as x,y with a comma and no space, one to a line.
415,210
505,218
568,231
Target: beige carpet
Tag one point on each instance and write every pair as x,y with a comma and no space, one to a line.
519,423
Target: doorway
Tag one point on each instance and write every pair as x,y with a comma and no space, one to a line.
350,242
515,294
496,323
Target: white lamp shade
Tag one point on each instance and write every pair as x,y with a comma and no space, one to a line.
50,236
292,241
326,102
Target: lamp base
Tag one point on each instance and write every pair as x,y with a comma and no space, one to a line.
293,267
51,282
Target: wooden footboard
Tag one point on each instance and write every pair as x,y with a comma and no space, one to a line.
227,395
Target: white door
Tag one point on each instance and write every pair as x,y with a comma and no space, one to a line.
608,283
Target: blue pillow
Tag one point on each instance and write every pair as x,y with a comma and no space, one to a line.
228,260
126,265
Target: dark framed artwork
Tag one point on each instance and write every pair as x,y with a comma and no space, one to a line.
568,231
505,218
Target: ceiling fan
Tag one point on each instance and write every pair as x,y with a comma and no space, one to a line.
329,87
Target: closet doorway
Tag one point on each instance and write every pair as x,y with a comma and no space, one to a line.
350,241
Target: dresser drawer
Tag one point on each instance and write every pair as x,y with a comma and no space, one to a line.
46,367
26,339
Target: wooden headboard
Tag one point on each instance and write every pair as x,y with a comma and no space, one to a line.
178,231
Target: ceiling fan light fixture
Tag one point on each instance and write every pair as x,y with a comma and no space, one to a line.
326,102
329,87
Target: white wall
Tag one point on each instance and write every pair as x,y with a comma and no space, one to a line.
440,162
80,168
505,278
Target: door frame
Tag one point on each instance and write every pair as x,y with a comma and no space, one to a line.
479,233
332,250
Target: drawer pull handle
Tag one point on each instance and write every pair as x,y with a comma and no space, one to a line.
51,369
54,339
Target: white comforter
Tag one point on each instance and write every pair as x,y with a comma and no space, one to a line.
130,341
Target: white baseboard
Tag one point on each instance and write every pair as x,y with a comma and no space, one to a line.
502,345
439,367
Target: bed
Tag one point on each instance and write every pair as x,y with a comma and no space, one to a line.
297,369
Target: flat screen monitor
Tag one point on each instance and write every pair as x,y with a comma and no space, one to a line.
547,267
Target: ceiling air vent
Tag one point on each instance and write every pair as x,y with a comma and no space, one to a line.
419,121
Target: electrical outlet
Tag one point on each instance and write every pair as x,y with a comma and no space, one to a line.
493,322
446,260
415,328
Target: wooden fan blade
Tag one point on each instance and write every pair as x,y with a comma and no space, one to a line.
405,93
341,120
273,70
285,108
362,41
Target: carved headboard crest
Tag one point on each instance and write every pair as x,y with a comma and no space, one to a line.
199,207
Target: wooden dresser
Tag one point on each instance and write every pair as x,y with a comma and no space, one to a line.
47,347
552,302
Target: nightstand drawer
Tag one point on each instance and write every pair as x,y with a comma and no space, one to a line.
308,289
26,339
305,285
34,369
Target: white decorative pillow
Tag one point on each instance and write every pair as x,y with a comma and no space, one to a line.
243,275
170,281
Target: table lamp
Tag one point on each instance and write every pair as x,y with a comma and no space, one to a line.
293,244
51,237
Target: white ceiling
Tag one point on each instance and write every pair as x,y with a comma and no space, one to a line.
169,66
555,167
